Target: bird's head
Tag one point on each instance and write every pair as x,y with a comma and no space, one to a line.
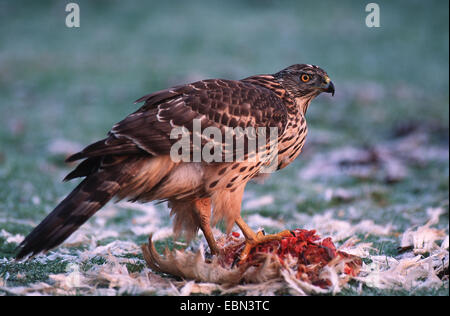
305,81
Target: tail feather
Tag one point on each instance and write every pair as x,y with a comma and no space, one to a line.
84,201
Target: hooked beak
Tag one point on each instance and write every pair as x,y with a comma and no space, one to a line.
328,86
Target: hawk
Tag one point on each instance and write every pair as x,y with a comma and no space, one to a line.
134,161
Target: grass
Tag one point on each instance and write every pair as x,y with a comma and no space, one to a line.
74,84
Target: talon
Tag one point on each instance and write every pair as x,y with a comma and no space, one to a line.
259,239
260,234
235,262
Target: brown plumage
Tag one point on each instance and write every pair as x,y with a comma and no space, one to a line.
134,161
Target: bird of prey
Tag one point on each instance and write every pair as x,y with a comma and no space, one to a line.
134,161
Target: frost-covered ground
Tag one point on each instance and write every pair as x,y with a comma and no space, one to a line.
374,174
405,249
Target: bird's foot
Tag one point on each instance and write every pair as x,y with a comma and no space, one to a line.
260,238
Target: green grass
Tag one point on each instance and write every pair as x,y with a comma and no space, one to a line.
75,84
22,274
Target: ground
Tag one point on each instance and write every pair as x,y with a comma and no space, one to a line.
377,151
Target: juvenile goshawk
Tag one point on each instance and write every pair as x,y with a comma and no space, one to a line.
134,160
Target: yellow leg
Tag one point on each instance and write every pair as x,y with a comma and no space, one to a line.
203,210
252,239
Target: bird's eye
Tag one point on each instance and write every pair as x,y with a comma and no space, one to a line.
305,77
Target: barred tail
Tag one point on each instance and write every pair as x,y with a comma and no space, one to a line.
84,201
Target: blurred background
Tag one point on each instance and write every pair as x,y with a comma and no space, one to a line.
377,150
